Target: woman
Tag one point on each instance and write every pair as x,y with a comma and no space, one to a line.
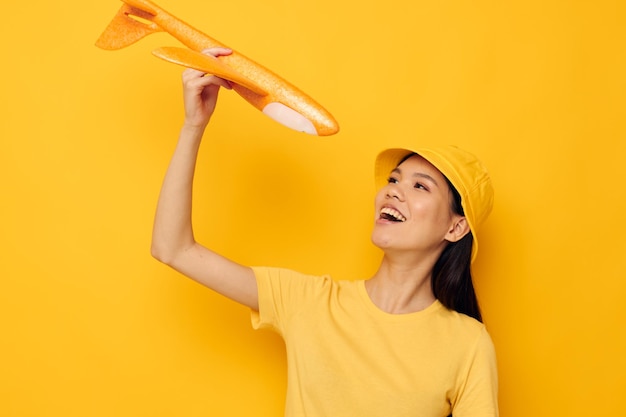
407,342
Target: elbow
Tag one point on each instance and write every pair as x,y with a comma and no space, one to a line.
157,253
164,251
161,253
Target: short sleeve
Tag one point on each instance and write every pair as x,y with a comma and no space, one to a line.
282,292
478,395
266,316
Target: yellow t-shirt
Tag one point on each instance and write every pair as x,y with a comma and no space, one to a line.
346,357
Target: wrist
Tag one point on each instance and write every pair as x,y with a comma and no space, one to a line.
194,128
191,134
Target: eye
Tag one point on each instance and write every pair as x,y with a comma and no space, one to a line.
420,186
392,180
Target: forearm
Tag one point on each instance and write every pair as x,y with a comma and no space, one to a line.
173,231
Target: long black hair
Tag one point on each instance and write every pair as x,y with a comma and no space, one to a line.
451,280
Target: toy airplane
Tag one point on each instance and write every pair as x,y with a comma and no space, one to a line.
262,88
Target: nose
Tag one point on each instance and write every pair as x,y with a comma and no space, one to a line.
394,191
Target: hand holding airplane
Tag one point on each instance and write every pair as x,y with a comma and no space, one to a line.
265,90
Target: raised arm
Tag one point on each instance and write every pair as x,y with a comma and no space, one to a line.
173,241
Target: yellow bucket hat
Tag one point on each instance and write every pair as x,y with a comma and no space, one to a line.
466,173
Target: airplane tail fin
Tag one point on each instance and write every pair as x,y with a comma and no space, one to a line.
129,25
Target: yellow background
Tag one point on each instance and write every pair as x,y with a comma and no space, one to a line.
91,325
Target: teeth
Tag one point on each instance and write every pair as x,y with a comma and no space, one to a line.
393,213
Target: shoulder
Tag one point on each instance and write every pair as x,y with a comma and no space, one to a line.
467,330
284,279
477,374
285,274
460,320
283,293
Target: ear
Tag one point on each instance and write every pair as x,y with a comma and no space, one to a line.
458,230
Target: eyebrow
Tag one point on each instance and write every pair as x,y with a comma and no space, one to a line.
417,175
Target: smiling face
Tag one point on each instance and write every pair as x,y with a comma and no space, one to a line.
413,211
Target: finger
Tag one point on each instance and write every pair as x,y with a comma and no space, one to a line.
198,80
190,74
215,80
207,80
218,51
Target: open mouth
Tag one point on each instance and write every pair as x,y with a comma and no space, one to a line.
388,213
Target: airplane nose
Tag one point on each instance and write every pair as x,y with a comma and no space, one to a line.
289,117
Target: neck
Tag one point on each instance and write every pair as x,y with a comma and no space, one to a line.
401,286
